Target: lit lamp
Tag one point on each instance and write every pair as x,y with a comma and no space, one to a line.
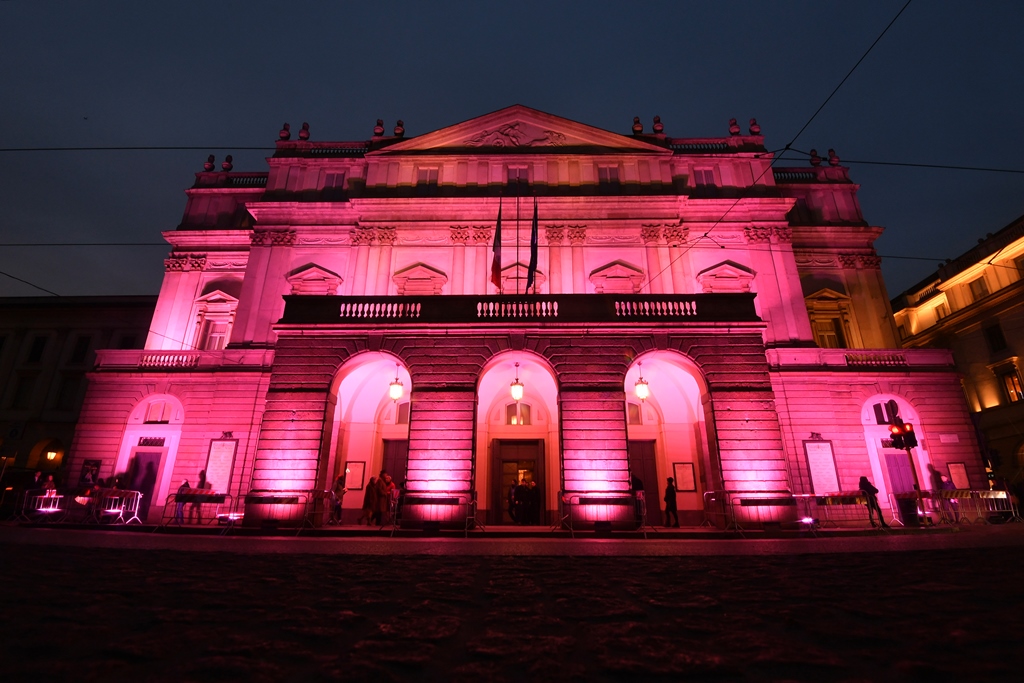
517,387
395,390
51,455
641,388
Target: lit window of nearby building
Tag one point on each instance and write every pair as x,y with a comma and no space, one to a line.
1019,262
828,332
994,338
941,311
903,331
979,290
1011,384
517,413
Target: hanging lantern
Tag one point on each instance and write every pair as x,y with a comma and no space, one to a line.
395,390
641,388
517,387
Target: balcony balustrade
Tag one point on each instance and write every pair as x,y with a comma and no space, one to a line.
553,308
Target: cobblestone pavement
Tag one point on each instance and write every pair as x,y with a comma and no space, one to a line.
83,614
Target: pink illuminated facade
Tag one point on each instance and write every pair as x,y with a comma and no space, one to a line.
748,298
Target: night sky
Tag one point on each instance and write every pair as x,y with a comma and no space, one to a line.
942,87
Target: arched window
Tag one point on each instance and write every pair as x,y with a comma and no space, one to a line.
158,412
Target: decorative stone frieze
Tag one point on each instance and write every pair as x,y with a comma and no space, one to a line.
755,234
387,236
185,262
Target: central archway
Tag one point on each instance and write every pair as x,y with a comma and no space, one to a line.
517,441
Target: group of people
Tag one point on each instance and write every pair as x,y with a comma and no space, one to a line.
380,492
195,513
524,503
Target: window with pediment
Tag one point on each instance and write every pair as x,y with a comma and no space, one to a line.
215,314
831,317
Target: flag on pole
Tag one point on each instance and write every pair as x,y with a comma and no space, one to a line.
496,262
531,273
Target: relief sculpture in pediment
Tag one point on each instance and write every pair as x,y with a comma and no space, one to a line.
514,135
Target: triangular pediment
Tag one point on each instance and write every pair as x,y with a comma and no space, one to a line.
313,279
523,129
617,277
725,277
827,294
419,279
217,297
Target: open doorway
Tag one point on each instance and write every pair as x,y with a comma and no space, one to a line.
517,476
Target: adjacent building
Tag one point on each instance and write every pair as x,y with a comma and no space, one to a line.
522,297
974,306
47,347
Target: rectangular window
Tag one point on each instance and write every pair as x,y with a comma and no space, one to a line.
334,186
22,397
1011,384
703,182
941,311
633,412
67,395
426,182
607,177
159,412
81,350
829,333
127,341
518,179
979,290
995,339
35,352
403,414
214,335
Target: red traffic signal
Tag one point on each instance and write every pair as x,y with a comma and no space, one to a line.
896,431
909,437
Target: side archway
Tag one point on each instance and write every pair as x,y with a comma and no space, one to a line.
668,434
367,430
149,448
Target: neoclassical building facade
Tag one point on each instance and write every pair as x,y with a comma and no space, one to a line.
344,310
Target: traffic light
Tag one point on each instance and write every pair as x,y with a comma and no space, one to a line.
909,437
896,431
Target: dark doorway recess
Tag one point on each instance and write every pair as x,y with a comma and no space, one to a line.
511,461
643,463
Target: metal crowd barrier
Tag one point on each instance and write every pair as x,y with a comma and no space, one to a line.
40,504
193,505
569,501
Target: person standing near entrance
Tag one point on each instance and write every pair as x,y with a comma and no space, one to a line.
871,495
337,496
670,503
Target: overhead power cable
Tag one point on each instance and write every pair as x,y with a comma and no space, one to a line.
789,145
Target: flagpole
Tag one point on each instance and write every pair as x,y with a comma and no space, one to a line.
517,233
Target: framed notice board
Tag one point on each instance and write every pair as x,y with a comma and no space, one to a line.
958,475
821,465
219,464
685,480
